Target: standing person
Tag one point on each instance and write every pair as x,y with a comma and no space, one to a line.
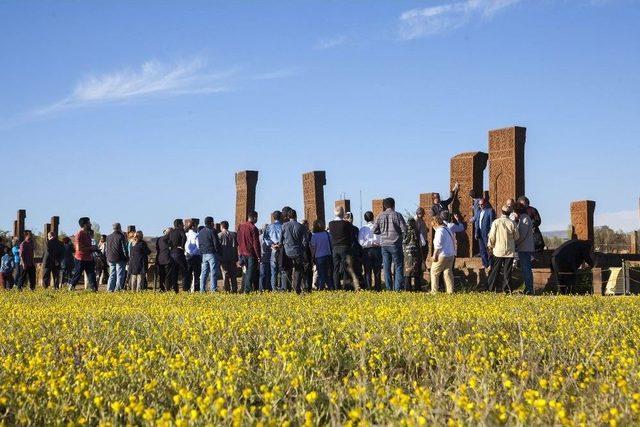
412,253
17,269
272,238
284,263
391,227
443,255
117,253
264,274
455,225
163,259
294,241
138,261
6,268
27,262
84,261
511,204
177,240
51,260
249,251
341,232
68,261
101,260
209,246
536,221
371,253
440,205
502,242
320,246
423,232
308,258
356,253
193,256
229,258
482,223
525,247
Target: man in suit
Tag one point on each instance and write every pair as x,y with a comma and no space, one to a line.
482,223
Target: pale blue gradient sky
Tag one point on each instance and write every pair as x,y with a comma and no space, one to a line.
142,112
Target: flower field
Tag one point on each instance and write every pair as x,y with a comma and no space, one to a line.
326,358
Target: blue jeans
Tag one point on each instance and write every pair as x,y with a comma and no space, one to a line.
274,265
527,273
264,281
210,263
323,265
393,253
117,275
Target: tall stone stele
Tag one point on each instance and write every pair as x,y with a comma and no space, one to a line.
344,203
467,169
313,195
246,182
582,220
376,207
506,164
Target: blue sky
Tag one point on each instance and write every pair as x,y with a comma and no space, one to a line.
140,112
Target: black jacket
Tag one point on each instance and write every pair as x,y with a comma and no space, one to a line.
139,258
177,239
53,253
208,241
116,247
162,251
570,255
341,232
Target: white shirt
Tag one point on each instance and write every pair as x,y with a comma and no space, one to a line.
366,237
481,216
191,247
443,241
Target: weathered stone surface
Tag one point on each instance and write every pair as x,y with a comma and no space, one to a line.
506,164
18,224
313,195
55,225
345,203
634,247
376,207
426,201
246,182
467,170
582,219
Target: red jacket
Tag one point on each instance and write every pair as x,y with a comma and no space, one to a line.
84,249
248,240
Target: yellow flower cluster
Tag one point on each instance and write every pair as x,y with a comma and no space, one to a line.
324,358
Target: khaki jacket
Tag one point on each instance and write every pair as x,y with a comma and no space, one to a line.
502,237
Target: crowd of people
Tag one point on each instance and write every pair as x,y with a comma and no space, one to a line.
288,254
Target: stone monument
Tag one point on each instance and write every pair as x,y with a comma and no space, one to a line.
582,219
313,195
506,164
246,182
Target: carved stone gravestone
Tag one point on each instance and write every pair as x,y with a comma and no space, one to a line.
246,182
313,195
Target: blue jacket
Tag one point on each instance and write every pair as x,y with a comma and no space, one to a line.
483,229
7,264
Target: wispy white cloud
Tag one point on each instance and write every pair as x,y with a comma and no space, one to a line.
151,79
422,22
330,42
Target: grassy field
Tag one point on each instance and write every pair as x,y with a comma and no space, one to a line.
328,358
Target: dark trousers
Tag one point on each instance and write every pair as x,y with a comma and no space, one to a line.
264,282
7,280
177,265
192,274
372,260
88,267
162,276
47,273
500,276
67,273
17,275
251,274
341,263
229,274
297,273
28,272
323,266
484,252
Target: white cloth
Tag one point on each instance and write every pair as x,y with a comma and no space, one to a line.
191,247
366,237
443,241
